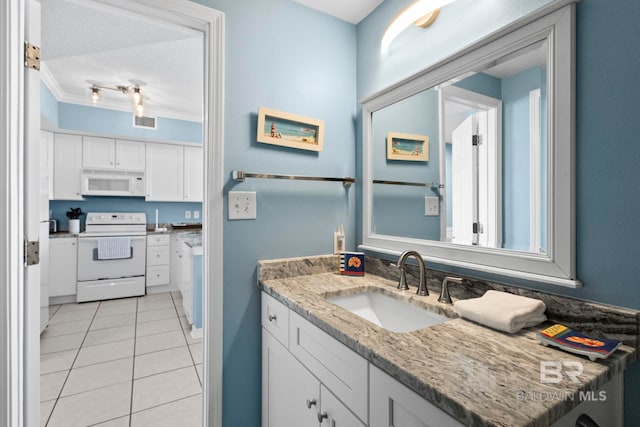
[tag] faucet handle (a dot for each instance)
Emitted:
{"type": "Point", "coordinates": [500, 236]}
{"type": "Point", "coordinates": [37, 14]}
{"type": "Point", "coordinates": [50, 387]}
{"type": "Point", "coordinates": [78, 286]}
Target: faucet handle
{"type": "Point", "coordinates": [444, 292]}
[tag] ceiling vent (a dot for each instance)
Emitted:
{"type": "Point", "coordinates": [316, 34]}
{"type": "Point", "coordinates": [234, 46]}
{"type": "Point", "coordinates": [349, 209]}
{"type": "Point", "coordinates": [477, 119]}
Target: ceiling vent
{"type": "Point", "coordinates": [144, 122]}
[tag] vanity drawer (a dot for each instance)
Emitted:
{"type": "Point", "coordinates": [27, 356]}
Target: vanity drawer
{"type": "Point", "coordinates": [275, 319]}
{"type": "Point", "coordinates": [158, 275]}
{"type": "Point", "coordinates": [158, 255]}
{"type": "Point", "coordinates": [157, 239]}
{"type": "Point", "coordinates": [343, 371]}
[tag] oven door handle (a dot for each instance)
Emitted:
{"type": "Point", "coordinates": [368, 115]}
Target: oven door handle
{"type": "Point", "coordinates": [95, 239]}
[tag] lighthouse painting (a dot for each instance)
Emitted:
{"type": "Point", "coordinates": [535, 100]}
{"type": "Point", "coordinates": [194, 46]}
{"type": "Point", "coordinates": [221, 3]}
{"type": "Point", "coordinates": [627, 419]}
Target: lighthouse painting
{"type": "Point", "coordinates": [289, 130]}
{"type": "Point", "coordinates": [409, 147]}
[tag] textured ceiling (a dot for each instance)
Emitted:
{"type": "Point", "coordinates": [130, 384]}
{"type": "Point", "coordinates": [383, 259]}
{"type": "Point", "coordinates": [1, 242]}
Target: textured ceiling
{"type": "Point", "coordinates": [86, 42]}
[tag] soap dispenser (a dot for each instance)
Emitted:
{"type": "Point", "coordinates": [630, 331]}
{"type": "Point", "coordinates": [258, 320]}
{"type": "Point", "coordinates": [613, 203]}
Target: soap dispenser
{"type": "Point", "coordinates": [338, 240]}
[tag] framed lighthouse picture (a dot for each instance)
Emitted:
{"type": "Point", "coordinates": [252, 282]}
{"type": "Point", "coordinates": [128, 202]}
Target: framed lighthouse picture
{"type": "Point", "coordinates": [289, 130]}
{"type": "Point", "coordinates": [404, 146]}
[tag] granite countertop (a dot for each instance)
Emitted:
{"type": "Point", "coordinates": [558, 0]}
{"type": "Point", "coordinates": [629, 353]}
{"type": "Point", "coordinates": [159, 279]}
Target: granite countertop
{"type": "Point", "coordinates": [480, 376]}
{"type": "Point", "coordinates": [61, 235]}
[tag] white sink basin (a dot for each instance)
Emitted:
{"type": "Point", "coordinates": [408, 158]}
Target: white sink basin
{"type": "Point", "coordinates": [388, 312]}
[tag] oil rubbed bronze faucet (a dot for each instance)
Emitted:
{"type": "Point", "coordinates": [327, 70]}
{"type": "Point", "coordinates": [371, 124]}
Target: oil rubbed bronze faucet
{"type": "Point", "coordinates": [402, 285]}
{"type": "Point", "coordinates": [444, 292]}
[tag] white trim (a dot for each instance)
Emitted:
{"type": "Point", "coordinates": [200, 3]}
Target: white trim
{"type": "Point", "coordinates": [50, 82]}
{"type": "Point", "coordinates": [558, 265]}
{"type": "Point", "coordinates": [12, 21]}
{"type": "Point", "coordinates": [196, 333]}
{"type": "Point", "coordinates": [181, 12]}
{"type": "Point", "coordinates": [534, 171]}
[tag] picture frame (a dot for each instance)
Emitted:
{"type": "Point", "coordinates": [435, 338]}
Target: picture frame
{"type": "Point", "coordinates": [289, 130]}
{"type": "Point", "coordinates": [407, 147]}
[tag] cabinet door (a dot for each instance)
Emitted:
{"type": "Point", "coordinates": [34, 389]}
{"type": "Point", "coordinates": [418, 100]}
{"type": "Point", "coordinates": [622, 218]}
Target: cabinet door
{"type": "Point", "coordinates": [394, 405]}
{"type": "Point", "coordinates": [63, 258]}
{"type": "Point", "coordinates": [164, 172]}
{"type": "Point", "coordinates": [333, 413]}
{"type": "Point", "coordinates": [193, 174]}
{"type": "Point", "coordinates": [130, 155]}
{"type": "Point", "coordinates": [286, 388]}
{"type": "Point", "coordinates": [98, 152]}
{"type": "Point", "coordinates": [67, 167]}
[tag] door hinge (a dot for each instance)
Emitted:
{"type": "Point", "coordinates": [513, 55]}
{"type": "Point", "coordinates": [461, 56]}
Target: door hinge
{"type": "Point", "coordinates": [31, 252]}
{"type": "Point", "coordinates": [477, 228]}
{"type": "Point", "coordinates": [31, 56]}
{"type": "Point", "coordinates": [476, 140]}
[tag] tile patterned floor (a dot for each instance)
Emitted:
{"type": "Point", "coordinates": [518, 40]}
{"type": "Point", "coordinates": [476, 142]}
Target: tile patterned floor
{"type": "Point", "coordinates": [120, 363]}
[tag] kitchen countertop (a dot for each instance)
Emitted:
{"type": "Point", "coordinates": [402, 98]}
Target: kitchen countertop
{"type": "Point", "coordinates": [480, 376]}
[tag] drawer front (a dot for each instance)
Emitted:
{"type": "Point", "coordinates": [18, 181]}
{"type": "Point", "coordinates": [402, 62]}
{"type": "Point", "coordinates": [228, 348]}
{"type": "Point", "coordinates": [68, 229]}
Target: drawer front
{"type": "Point", "coordinates": [158, 255]}
{"type": "Point", "coordinates": [157, 239]}
{"type": "Point", "coordinates": [158, 275]}
{"type": "Point", "coordinates": [337, 414]}
{"type": "Point", "coordinates": [275, 319]}
{"type": "Point", "coordinates": [343, 371]}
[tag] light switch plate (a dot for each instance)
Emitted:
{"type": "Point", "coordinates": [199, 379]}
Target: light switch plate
{"type": "Point", "coordinates": [242, 205]}
{"type": "Point", "coordinates": [431, 206]}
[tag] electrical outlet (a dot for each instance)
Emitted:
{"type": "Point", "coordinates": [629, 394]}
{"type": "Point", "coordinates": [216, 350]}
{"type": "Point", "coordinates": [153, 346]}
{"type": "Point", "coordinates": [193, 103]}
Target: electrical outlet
{"type": "Point", "coordinates": [187, 214]}
{"type": "Point", "coordinates": [431, 206]}
{"type": "Point", "coordinates": [196, 214]}
{"type": "Point", "coordinates": [242, 205]}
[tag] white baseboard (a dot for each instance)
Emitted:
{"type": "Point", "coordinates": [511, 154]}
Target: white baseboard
{"type": "Point", "coordinates": [196, 333]}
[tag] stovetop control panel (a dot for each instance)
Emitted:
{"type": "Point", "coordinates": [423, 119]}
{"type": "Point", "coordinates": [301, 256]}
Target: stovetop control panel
{"type": "Point", "coordinates": [116, 218]}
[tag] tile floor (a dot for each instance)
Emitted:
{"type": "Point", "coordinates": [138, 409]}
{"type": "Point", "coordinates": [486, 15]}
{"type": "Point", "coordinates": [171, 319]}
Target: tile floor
{"type": "Point", "coordinates": [129, 362]}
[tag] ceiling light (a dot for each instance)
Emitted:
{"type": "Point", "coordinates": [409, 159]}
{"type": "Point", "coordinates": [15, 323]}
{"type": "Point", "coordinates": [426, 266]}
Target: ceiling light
{"type": "Point", "coordinates": [421, 13]}
{"type": "Point", "coordinates": [95, 94]}
{"type": "Point", "coordinates": [139, 109]}
{"type": "Point", "coordinates": [136, 95]}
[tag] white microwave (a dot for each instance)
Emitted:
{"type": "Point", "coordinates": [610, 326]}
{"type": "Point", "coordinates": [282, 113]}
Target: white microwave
{"type": "Point", "coordinates": [97, 182]}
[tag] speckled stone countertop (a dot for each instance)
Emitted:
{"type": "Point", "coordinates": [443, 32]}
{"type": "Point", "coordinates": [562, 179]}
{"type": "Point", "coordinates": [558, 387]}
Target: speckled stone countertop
{"type": "Point", "coordinates": [480, 376]}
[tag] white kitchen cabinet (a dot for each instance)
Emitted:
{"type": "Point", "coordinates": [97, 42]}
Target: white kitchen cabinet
{"type": "Point", "coordinates": [46, 160]}
{"type": "Point", "coordinates": [108, 153]}
{"type": "Point", "coordinates": [186, 281]}
{"type": "Point", "coordinates": [158, 260]}
{"type": "Point", "coordinates": [164, 172]}
{"type": "Point", "coordinates": [174, 173]}
{"type": "Point", "coordinates": [193, 174]}
{"type": "Point", "coordinates": [63, 259]}
{"type": "Point", "coordinates": [67, 167]}
{"type": "Point", "coordinates": [392, 404]}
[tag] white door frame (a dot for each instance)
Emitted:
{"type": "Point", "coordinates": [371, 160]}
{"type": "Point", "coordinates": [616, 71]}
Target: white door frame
{"type": "Point", "coordinates": [12, 304]}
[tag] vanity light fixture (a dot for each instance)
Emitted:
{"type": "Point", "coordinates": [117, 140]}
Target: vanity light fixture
{"type": "Point", "coordinates": [421, 13]}
{"type": "Point", "coordinates": [133, 91]}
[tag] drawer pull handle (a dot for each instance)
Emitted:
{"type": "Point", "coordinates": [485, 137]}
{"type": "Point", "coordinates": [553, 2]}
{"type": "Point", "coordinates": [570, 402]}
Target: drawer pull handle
{"type": "Point", "coordinates": [322, 416]}
{"type": "Point", "coordinates": [311, 402]}
{"type": "Point", "coordinates": [272, 317]}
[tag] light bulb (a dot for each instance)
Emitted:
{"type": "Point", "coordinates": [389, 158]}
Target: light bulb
{"type": "Point", "coordinates": [139, 110]}
{"type": "Point", "coordinates": [136, 96]}
{"type": "Point", "coordinates": [95, 95]}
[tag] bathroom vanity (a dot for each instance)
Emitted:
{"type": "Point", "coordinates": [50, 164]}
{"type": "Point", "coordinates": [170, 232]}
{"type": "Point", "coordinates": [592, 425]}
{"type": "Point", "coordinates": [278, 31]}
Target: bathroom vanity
{"type": "Point", "coordinates": [323, 362]}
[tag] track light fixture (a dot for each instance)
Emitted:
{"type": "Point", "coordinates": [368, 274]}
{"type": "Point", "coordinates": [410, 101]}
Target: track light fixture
{"type": "Point", "coordinates": [133, 91]}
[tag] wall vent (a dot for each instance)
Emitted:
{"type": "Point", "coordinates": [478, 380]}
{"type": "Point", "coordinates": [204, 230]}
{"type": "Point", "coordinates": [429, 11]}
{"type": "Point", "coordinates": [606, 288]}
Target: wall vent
{"type": "Point", "coordinates": [144, 122]}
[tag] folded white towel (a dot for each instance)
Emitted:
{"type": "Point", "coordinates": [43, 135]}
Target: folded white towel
{"type": "Point", "coordinates": [502, 311]}
{"type": "Point", "coordinates": [114, 247]}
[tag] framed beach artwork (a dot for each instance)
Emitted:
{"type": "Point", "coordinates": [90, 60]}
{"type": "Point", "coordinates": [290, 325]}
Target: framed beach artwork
{"type": "Point", "coordinates": [404, 146]}
{"type": "Point", "coordinates": [289, 130]}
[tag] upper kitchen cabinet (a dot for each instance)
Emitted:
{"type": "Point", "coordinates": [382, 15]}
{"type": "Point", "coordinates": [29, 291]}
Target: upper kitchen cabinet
{"type": "Point", "coordinates": [107, 153]}
{"type": "Point", "coordinates": [193, 174]}
{"type": "Point", "coordinates": [67, 167]}
{"type": "Point", "coordinates": [174, 173]}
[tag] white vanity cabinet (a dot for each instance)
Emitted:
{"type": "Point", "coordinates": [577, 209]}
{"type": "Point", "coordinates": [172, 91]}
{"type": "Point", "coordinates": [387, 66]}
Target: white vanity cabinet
{"type": "Point", "coordinates": [63, 259]}
{"type": "Point", "coordinates": [67, 167]}
{"type": "Point", "coordinates": [108, 153]}
{"type": "Point", "coordinates": [308, 378]}
{"type": "Point", "coordinates": [393, 404]}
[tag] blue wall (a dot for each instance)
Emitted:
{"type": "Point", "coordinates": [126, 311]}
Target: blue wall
{"type": "Point", "coordinates": [48, 106]}
{"type": "Point", "coordinates": [285, 56]}
{"type": "Point", "coordinates": [416, 115]}
{"type": "Point", "coordinates": [607, 154]}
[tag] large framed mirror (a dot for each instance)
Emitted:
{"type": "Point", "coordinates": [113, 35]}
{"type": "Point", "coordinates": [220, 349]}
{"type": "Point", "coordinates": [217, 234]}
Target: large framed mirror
{"type": "Point", "coordinates": [471, 161]}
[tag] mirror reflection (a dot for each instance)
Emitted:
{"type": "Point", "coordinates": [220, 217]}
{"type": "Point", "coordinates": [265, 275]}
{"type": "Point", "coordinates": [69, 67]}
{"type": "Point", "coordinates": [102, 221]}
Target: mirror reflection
{"type": "Point", "coordinates": [483, 180]}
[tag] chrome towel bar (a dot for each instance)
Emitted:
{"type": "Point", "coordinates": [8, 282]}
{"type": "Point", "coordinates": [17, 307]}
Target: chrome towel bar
{"type": "Point", "coordinates": [240, 176]}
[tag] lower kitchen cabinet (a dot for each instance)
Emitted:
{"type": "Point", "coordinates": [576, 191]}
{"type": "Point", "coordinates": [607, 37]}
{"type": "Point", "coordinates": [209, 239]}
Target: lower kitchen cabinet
{"type": "Point", "coordinates": [63, 259]}
{"type": "Point", "coordinates": [158, 260]}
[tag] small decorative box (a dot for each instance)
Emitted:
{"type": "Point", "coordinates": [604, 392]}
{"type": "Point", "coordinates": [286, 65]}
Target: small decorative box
{"type": "Point", "coordinates": [352, 263]}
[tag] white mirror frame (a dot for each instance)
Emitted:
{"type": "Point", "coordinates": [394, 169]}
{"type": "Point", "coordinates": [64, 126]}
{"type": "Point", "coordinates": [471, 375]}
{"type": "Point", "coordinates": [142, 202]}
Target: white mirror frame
{"type": "Point", "coordinates": [556, 23]}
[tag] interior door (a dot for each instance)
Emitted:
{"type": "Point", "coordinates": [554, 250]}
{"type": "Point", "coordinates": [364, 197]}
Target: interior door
{"type": "Point", "coordinates": [31, 216]}
{"type": "Point", "coordinates": [464, 183]}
